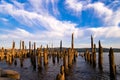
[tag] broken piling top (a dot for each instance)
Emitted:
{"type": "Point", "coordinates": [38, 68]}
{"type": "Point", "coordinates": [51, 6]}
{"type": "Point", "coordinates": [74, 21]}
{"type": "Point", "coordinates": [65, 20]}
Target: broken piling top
{"type": "Point", "coordinates": [13, 45]}
{"type": "Point", "coordinates": [100, 44]}
{"type": "Point", "coordinates": [61, 46]}
{"type": "Point", "coordinates": [92, 42]}
{"type": "Point", "coordinates": [20, 44]}
{"type": "Point", "coordinates": [2, 48]}
{"type": "Point", "coordinates": [34, 46]}
{"type": "Point", "coordinates": [29, 45]}
{"type": "Point", "coordinates": [23, 45]}
{"type": "Point", "coordinates": [94, 47]}
{"type": "Point", "coordinates": [72, 41]}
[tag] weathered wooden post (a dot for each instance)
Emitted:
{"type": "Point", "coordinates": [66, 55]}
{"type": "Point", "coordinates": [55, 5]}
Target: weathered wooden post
{"type": "Point", "coordinates": [45, 55]}
{"type": "Point", "coordinates": [88, 56]}
{"type": "Point", "coordinates": [22, 48]}
{"type": "Point", "coordinates": [91, 58]}
{"type": "Point", "coordinates": [60, 46]}
{"type": "Point", "coordinates": [29, 47]}
{"type": "Point", "coordinates": [94, 56]}
{"type": "Point", "coordinates": [70, 58]}
{"type": "Point", "coordinates": [65, 61]}
{"type": "Point", "coordinates": [100, 56]}
{"type": "Point", "coordinates": [2, 53]}
{"type": "Point", "coordinates": [13, 49]}
{"type": "Point", "coordinates": [92, 46]}
{"type": "Point", "coordinates": [60, 49]}
{"type": "Point", "coordinates": [72, 41]}
{"type": "Point", "coordinates": [39, 59]}
{"type": "Point", "coordinates": [34, 57]}
{"type": "Point", "coordinates": [85, 54]}
{"type": "Point", "coordinates": [112, 64]}
{"type": "Point", "coordinates": [61, 75]}
{"type": "Point", "coordinates": [58, 56]}
{"type": "Point", "coordinates": [20, 44]}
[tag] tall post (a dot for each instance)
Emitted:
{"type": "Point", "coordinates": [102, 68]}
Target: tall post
{"type": "Point", "coordinates": [60, 46]}
{"type": "Point", "coordinates": [20, 44]}
{"type": "Point", "coordinates": [23, 47]}
{"type": "Point", "coordinates": [112, 64]}
{"type": "Point", "coordinates": [94, 56]}
{"type": "Point", "coordinates": [72, 42]}
{"type": "Point", "coordinates": [92, 44]}
{"type": "Point", "coordinates": [100, 57]}
{"type": "Point", "coordinates": [30, 47]}
{"type": "Point", "coordinates": [34, 48]}
{"type": "Point", "coordinates": [13, 49]}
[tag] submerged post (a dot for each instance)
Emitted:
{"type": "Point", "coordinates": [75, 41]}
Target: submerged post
{"type": "Point", "coordinates": [112, 64]}
{"type": "Point", "coordinates": [61, 75]}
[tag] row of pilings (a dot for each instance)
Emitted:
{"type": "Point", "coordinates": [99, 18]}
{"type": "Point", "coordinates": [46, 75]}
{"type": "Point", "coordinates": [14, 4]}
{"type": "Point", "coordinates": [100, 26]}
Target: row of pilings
{"type": "Point", "coordinates": [39, 57]}
{"type": "Point", "coordinates": [69, 58]}
{"type": "Point", "coordinates": [90, 57]}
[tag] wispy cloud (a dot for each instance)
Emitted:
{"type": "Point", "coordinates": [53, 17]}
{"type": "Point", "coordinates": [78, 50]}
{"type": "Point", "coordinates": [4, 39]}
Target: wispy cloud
{"type": "Point", "coordinates": [4, 19]}
{"type": "Point", "coordinates": [42, 14]}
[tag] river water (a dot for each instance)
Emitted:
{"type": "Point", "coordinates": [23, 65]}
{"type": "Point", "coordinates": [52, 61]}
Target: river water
{"type": "Point", "coordinates": [81, 70]}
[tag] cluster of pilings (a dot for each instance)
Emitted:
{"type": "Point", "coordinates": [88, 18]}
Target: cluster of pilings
{"type": "Point", "coordinates": [39, 56]}
{"type": "Point", "coordinates": [69, 58]}
{"type": "Point", "coordinates": [90, 57]}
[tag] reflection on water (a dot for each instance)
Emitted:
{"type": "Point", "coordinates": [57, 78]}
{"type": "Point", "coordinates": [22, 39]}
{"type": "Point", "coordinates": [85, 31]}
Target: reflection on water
{"type": "Point", "coordinates": [81, 70]}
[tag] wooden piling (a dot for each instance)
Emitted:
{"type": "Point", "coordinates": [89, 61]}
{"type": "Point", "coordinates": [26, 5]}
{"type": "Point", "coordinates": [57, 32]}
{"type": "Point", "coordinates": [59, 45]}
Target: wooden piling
{"type": "Point", "coordinates": [60, 46]}
{"type": "Point", "coordinates": [72, 41]}
{"type": "Point", "coordinates": [94, 56]}
{"type": "Point", "coordinates": [65, 61]}
{"type": "Point", "coordinates": [45, 55]}
{"type": "Point", "coordinates": [61, 75]}
{"type": "Point", "coordinates": [88, 56]}
{"type": "Point", "coordinates": [39, 59]}
{"type": "Point", "coordinates": [70, 59]}
{"type": "Point", "coordinates": [100, 56]}
{"type": "Point", "coordinates": [112, 64]}
{"type": "Point", "coordinates": [2, 53]}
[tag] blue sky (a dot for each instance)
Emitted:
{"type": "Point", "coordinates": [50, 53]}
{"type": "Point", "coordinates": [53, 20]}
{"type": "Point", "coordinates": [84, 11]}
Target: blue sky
{"type": "Point", "coordinates": [49, 21]}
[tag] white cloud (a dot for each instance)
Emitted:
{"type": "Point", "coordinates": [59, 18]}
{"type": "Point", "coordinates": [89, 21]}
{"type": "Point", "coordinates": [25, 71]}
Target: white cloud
{"type": "Point", "coordinates": [107, 32]}
{"type": "Point", "coordinates": [16, 34]}
{"type": "Point", "coordinates": [101, 9]}
{"type": "Point", "coordinates": [74, 5]}
{"type": "Point", "coordinates": [4, 19]}
{"type": "Point", "coordinates": [54, 29]}
{"type": "Point", "coordinates": [114, 18]}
